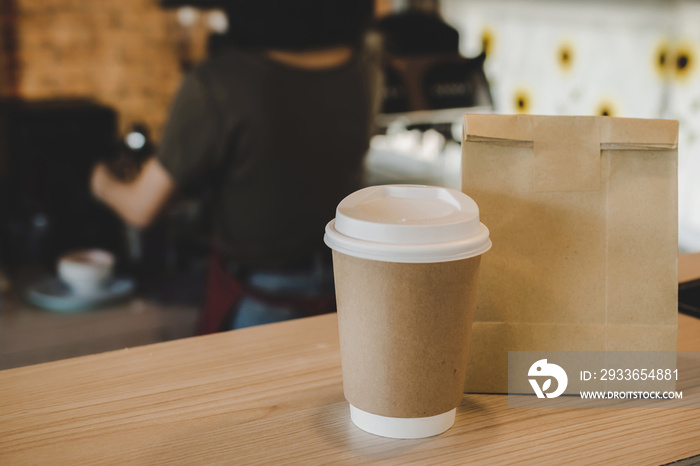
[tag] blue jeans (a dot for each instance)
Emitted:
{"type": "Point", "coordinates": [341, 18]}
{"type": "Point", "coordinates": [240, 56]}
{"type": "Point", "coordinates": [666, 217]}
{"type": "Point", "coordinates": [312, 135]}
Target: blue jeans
{"type": "Point", "coordinates": [317, 281]}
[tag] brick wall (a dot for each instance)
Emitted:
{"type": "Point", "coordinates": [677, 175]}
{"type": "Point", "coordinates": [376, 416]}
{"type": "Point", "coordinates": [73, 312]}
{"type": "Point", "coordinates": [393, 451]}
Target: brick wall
{"type": "Point", "coordinates": [127, 54]}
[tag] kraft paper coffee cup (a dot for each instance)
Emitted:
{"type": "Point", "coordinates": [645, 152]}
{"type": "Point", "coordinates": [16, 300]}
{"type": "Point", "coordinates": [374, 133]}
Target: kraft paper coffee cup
{"type": "Point", "coordinates": [406, 261]}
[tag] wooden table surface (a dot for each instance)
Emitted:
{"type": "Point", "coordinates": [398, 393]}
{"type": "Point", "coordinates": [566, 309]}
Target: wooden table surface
{"type": "Point", "coordinates": [273, 395]}
{"type": "Point", "coordinates": [688, 267]}
{"type": "Point", "coordinates": [29, 335]}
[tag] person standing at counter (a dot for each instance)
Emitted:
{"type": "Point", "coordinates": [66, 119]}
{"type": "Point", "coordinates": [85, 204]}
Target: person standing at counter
{"type": "Point", "coordinates": [278, 123]}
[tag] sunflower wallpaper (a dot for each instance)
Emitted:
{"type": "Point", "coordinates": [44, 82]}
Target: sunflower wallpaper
{"type": "Point", "coordinates": [617, 58]}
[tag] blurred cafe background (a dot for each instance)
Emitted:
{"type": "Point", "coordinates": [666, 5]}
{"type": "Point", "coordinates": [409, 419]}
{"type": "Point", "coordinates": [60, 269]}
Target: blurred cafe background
{"type": "Point", "coordinates": [84, 81]}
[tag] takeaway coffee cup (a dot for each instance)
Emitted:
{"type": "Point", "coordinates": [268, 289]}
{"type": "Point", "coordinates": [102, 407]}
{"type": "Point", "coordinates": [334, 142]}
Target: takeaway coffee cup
{"type": "Point", "coordinates": [406, 260]}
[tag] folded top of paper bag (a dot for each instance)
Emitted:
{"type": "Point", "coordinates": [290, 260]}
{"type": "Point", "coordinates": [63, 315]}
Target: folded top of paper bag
{"type": "Point", "coordinates": [659, 134]}
{"type": "Point", "coordinates": [567, 148]}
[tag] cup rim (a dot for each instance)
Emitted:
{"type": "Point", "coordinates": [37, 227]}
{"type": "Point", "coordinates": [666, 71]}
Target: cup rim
{"type": "Point", "coordinates": [407, 253]}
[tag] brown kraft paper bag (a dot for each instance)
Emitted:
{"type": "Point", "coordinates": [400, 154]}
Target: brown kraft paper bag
{"type": "Point", "coordinates": [583, 217]}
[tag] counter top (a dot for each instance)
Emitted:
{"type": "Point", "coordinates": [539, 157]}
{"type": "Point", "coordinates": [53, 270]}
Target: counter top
{"type": "Point", "coordinates": [29, 335]}
{"type": "Point", "coordinates": [273, 394]}
{"type": "Point", "coordinates": [688, 267]}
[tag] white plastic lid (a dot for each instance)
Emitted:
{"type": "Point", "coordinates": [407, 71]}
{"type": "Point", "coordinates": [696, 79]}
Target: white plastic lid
{"type": "Point", "coordinates": [404, 428]}
{"type": "Point", "coordinates": [408, 223]}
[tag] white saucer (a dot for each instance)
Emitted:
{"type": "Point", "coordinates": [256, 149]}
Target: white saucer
{"type": "Point", "coordinates": [54, 295]}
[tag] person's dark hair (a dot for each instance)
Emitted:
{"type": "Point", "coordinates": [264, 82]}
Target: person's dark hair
{"type": "Point", "coordinates": [297, 24]}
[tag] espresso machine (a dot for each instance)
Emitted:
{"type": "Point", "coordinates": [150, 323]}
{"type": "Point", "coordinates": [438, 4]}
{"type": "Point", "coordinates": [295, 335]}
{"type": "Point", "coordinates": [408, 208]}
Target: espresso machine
{"type": "Point", "coordinates": [428, 86]}
{"type": "Point", "coordinates": [47, 151]}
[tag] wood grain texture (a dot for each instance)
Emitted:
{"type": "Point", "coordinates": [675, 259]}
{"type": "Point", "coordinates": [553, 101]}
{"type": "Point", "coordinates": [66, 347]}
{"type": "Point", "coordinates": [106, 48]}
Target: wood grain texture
{"type": "Point", "coordinates": [273, 394]}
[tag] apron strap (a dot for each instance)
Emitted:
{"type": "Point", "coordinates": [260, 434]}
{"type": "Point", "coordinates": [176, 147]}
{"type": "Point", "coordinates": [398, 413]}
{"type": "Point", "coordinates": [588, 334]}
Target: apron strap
{"type": "Point", "coordinates": [223, 293]}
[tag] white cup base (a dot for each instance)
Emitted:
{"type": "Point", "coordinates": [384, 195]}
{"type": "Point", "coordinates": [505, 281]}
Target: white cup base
{"type": "Point", "coordinates": [404, 428]}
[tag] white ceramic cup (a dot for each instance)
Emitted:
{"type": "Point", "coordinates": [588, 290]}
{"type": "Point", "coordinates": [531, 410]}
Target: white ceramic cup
{"type": "Point", "coordinates": [406, 261]}
{"type": "Point", "coordinates": [86, 271]}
